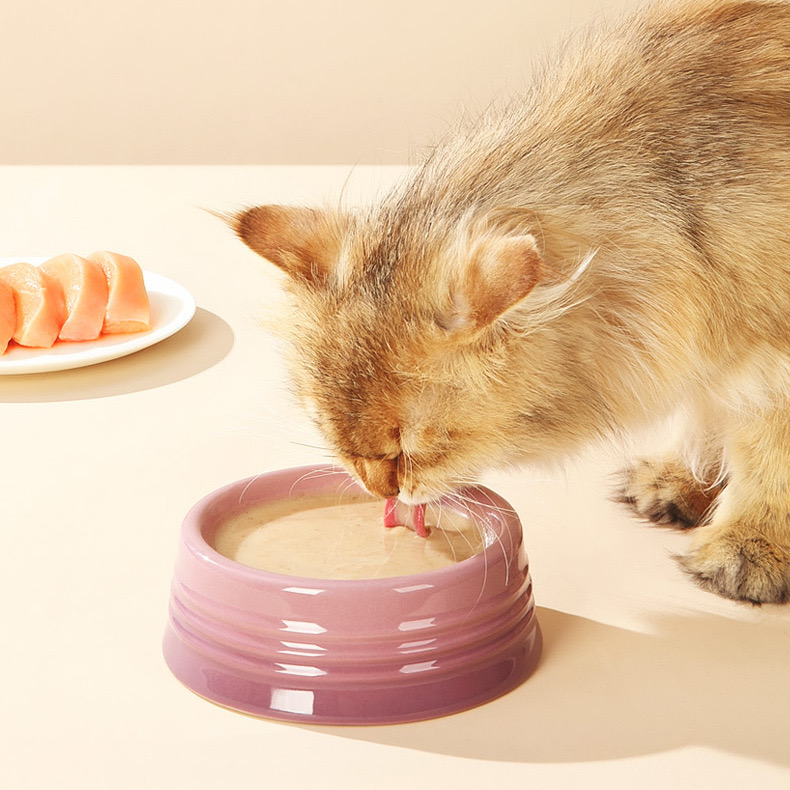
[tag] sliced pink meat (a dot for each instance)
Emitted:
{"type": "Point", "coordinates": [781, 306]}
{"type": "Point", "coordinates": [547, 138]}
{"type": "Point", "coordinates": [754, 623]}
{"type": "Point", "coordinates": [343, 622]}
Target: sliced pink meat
{"type": "Point", "coordinates": [128, 306]}
{"type": "Point", "coordinates": [7, 315]}
{"type": "Point", "coordinates": [86, 293]}
{"type": "Point", "coordinates": [40, 304]}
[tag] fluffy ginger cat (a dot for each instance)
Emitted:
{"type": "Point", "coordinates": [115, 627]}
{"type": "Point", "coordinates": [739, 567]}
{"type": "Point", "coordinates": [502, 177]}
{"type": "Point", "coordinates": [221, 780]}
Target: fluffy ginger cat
{"type": "Point", "coordinates": [612, 247]}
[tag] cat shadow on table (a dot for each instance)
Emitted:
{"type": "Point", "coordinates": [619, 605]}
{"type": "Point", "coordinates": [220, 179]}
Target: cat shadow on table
{"type": "Point", "coordinates": [202, 343]}
{"type": "Point", "coordinates": [603, 693]}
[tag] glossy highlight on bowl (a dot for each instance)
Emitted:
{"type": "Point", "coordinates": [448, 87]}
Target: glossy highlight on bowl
{"type": "Point", "coordinates": [373, 651]}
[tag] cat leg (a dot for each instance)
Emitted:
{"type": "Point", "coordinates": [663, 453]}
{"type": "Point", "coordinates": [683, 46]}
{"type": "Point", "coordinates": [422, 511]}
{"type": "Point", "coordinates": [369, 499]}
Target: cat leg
{"type": "Point", "coordinates": [679, 489]}
{"type": "Point", "coordinates": [666, 491]}
{"type": "Point", "coordinates": [744, 553]}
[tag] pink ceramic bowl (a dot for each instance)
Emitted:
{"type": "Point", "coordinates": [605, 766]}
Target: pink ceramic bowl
{"type": "Point", "coordinates": [375, 651]}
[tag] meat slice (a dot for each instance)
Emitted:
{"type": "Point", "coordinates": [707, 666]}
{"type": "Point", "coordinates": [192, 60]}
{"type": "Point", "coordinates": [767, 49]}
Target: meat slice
{"type": "Point", "coordinates": [128, 307]}
{"type": "Point", "coordinates": [86, 293]}
{"type": "Point", "coordinates": [7, 315]}
{"type": "Point", "coordinates": [40, 304]}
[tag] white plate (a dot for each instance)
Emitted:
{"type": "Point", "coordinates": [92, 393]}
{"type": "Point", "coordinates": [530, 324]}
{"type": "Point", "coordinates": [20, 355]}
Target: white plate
{"type": "Point", "coordinates": [172, 306]}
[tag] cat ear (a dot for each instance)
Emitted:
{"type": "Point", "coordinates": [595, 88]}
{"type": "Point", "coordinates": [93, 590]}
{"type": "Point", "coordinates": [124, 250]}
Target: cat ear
{"type": "Point", "coordinates": [501, 272]}
{"type": "Point", "coordinates": [304, 242]}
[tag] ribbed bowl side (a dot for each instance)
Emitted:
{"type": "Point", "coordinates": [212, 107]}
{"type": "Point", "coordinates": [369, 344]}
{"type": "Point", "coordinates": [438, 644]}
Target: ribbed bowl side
{"type": "Point", "coordinates": [369, 651]}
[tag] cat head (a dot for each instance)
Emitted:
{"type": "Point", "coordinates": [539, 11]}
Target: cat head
{"type": "Point", "coordinates": [407, 348]}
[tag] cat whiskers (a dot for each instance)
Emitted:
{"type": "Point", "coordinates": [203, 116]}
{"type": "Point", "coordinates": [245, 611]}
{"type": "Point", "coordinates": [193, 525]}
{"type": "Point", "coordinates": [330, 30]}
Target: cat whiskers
{"type": "Point", "coordinates": [312, 474]}
{"type": "Point", "coordinates": [489, 531]}
{"type": "Point", "coordinates": [446, 533]}
{"type": "Point", "coordinates": [285, 431]}
{"type": "Point", "coordinates": [244, 490]}
{"type": "Point", "coordinates": [409, 465]}
{"type": "Point", "coordinates": [464, 503]}
{"type": "Point", "coordinates": [348, 486]}
{"type": "Point", "coordinates": [325, 451]}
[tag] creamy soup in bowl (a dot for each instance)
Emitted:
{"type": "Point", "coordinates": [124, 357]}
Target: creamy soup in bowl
{"type": "Point", "coordinates": [343, 537]}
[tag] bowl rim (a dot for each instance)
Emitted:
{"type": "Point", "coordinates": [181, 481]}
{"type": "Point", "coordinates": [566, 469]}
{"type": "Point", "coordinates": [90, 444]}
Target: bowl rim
{"type": "Point", "coordinates": [495, 553]}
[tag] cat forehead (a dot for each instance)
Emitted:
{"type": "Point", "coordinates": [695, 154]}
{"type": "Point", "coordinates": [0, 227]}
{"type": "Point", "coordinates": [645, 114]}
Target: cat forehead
{"type": "Point", "coordinates": [385, 245]}
{"type": "Point", "coordinates": [355, 360]}
{"type": "Point", "coordinates": [365, 349]}
{"type": "Point", "coordinates": [370, 417]}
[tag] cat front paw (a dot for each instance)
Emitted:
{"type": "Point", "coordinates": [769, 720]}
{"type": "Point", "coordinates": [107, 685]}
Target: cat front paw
{"type": "Point", "coordinates": [740, 563]}
{"type": "Point", "coordinates": [665, 492]}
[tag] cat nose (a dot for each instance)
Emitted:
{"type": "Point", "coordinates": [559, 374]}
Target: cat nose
{"type": "Point", "coordinates": [380, 476]}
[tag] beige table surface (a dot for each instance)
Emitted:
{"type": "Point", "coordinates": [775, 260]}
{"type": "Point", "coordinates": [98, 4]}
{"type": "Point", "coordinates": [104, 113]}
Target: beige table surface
{"type": "Point", "coordinates": [645, 682]}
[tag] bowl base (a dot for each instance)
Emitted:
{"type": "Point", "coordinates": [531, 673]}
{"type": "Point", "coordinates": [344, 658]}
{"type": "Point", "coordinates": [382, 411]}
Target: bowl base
{"type": "Point", "coordinates": [358, 705]}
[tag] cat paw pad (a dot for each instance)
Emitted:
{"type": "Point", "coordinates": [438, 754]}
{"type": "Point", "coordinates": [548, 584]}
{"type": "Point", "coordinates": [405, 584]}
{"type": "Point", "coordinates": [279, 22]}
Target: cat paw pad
{"type": "Point", "coordinates": [665, 493]}
{"type": "Point", "coordinates": [741, 565]}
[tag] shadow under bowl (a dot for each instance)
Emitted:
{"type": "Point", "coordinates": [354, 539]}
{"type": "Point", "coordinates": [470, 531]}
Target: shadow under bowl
{"type": "Point", "coordinates": [371, 651]}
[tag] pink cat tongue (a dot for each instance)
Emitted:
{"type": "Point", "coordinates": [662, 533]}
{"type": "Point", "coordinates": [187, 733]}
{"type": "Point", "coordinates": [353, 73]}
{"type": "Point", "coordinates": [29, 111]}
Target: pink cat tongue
{"type": "Point", "coordinates": [414, 518]}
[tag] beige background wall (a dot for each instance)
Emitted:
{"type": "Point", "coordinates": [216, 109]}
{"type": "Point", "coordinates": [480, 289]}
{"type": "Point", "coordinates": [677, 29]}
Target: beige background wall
{"type": "Point", "coordinates": [259, 81]}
